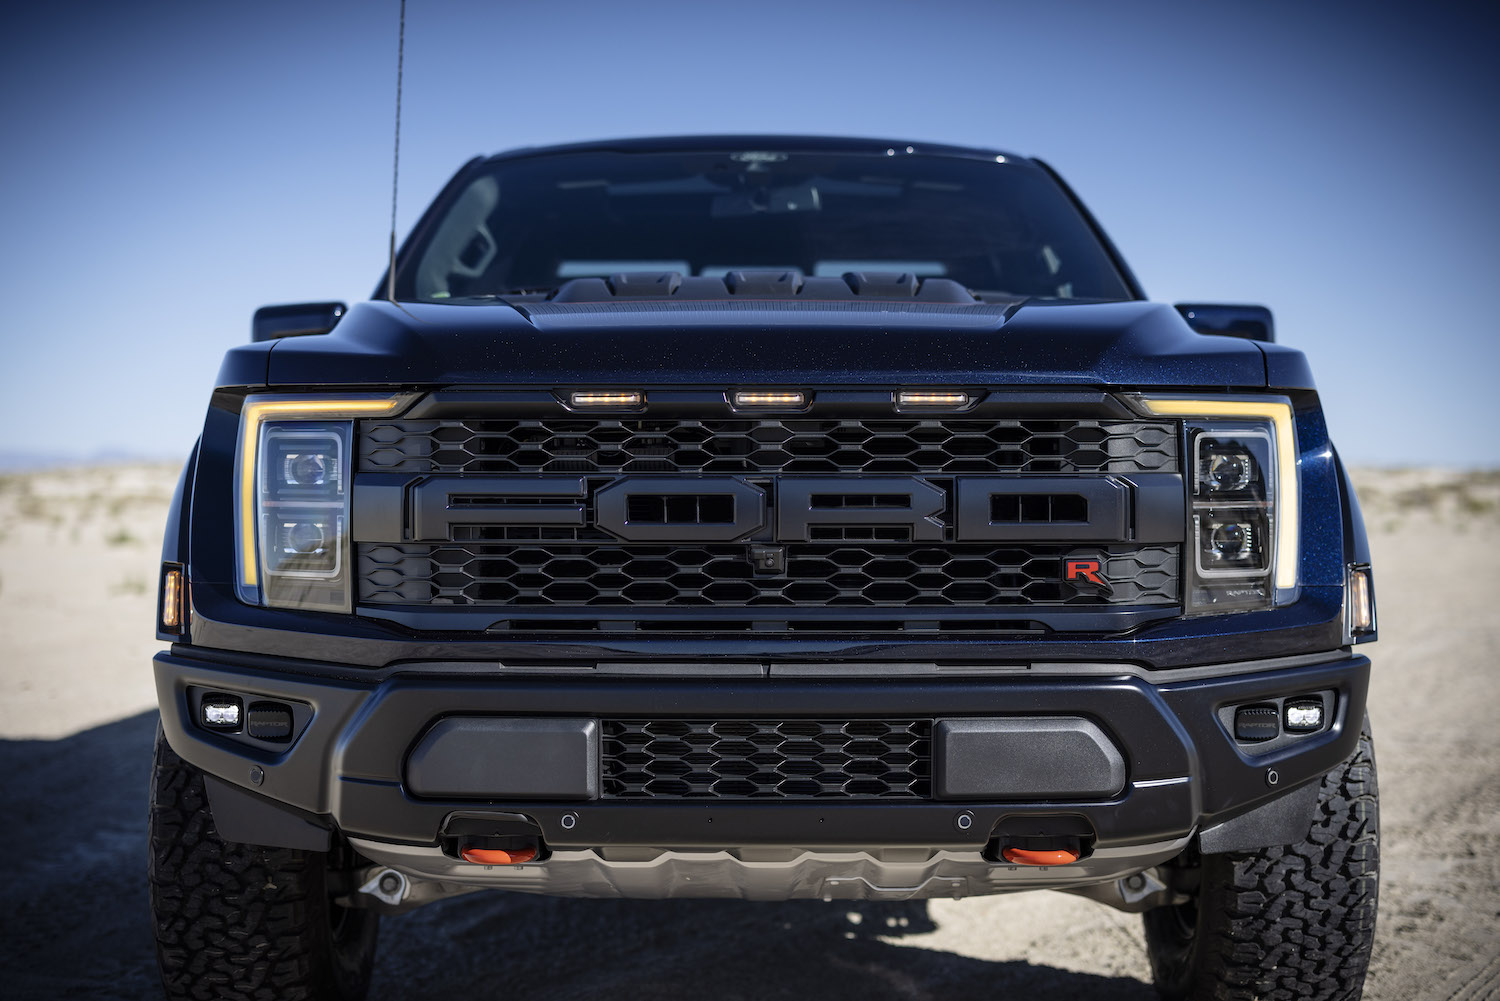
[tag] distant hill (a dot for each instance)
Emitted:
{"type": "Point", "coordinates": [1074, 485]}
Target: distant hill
{"type": "Point", "coordinates": [15, 460]}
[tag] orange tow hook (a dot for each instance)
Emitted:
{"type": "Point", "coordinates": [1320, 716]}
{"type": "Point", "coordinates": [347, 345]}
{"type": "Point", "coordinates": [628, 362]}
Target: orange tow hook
{"type": "Point", "coordinates": [499, 856]}
{"type": "Point", "coordinates": [1030, 856]}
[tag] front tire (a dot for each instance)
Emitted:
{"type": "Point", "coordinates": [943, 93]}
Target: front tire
{"type": "Point", "coordinates": [245, 922]}
{"type": "Point", "coordinates": [1287, 922]}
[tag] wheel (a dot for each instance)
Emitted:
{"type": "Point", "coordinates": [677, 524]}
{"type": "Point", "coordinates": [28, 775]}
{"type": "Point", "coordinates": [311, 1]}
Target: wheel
{"type": "Point", "coordinates": [1281, 923]}
{"type": "Point", "coordinates": [242, 921]}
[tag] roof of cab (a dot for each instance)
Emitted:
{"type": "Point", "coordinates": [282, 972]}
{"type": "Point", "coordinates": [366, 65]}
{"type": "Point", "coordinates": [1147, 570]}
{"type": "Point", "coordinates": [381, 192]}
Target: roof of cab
{"type": "Point", "coordinates": [789, 143]}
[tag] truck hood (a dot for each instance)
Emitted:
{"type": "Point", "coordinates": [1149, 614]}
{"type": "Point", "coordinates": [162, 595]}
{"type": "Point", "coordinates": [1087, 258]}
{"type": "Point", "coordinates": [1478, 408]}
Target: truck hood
{"type": "Point", "coordinates": [1138, 344]}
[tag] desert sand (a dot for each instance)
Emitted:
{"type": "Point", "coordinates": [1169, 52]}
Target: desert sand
{"type": "Point", "coordinates": [78, 561]}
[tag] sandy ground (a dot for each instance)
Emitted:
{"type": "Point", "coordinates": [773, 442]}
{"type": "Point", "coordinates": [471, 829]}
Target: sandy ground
{"type": "Point", "coordinates": [78, 554]}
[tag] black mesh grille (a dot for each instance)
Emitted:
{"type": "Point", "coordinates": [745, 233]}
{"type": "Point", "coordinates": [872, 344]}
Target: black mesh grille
{"type": "Point", "coordinates": [767, 759]}
{"type": "Point", "coordinates": [788, 445]}
{"type": "Point", "coordinates": [723, 575]}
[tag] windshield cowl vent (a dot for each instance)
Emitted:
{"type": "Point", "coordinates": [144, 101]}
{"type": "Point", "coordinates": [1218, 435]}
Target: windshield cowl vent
{"type": "Point", "coordinates": [896, 286]}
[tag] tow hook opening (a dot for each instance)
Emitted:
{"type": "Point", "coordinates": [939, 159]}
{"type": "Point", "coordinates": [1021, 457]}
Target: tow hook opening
{"type": "Point", "coordinates": [1041, 841]}
{"type": "Point", "coordinates": [493, 839]}
{"type": "Point", "coordinates": [513, 851]}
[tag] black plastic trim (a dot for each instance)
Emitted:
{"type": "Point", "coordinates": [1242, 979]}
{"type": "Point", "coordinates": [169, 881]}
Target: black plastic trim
{"type": "Point", "coordinates": [1034, 757]}
{"type": "Point", "coordinates": [1282, 821]}
{"type": "Point", "coordinates": [249, 819]}
{"type": "Point", "coordinates": [1157, 639]}
{"type": "Point", "coordinates": [1052, 403]}
{"type": "Point", "coordinates": [1183, 768]}
{"type": "Point", "coordinates": [490, 757]}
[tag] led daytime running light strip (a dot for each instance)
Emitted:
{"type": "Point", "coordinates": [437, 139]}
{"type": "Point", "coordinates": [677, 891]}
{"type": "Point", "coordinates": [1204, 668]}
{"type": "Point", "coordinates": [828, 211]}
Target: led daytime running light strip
{"type": "Point", "coordinates": [256, 413]}
{"type": "Point", "coordinates": [1280, 415]}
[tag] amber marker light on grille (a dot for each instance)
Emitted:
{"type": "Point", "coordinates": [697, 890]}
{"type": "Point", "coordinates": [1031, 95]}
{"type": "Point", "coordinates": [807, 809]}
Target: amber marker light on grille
{"type": "Point", "coordinates": [1279, 413]}
{"type": "Point", "coordinates": [757, 399]}
{"type": "Point", "coordinates": [259, 410]}
{"type": "Point", "coordinates": [621, 399]}
{"type": "Point", "coordinates": [911, 398]}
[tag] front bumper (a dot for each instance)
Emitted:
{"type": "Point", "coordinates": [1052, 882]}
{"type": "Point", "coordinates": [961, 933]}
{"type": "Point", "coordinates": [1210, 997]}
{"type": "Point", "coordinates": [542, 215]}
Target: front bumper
{"type": "Point", "coordinates": [1184, 771]}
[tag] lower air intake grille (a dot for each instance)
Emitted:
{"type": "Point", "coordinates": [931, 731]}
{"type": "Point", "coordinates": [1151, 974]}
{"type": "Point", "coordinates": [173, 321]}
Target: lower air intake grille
{"type": "Point", "coordinates": [767, 759]}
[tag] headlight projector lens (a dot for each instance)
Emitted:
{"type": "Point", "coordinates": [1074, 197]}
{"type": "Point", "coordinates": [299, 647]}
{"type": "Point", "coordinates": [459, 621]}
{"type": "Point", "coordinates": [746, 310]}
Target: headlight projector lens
{"type": "Point", "coordinates": [1232, 541]}
{"type": "Point", "coordinates": [305, 537]}
{"type": "Point", "coordinates": [306, 469]}
{"type": "Point", "coordinates": [1229, 471]}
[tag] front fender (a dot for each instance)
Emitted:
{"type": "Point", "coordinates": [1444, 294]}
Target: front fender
{"type": "Point", "coordinates": [1356, 541]}
{"type": "Point", "coordinates": [174, 538]}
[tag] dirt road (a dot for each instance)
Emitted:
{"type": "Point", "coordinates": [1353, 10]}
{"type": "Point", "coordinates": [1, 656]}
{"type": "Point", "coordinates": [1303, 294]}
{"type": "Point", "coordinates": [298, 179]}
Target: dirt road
{"type": "Point", "coordinates": [75, 712]}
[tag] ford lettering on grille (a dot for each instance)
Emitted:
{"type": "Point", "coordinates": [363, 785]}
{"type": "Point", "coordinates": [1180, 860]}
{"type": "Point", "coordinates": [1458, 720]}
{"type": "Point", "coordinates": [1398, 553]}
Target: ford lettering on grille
{"type": "Point", "coordinates": [789, 508]}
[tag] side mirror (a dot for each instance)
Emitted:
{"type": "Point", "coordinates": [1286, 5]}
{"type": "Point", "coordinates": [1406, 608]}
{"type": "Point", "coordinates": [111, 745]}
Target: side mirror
{"type": "Point", "coordinates": [296, 320]}
{"type": "Point", "coordinates": [1253, 323]}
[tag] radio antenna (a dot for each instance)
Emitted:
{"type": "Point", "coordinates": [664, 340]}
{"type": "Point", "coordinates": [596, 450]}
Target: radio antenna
{"type": "Point", "coordinates": [390, 284]}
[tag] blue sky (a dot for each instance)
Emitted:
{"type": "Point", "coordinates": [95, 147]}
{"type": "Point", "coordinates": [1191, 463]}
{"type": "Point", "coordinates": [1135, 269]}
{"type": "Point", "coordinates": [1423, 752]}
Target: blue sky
{"type": "Point", "coordinates": [171, 166]}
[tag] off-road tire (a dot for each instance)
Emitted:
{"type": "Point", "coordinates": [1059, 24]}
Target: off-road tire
{"type": "Point", "coordinates": [1282, 923]}
{"type": "Point", "coordinates": [244, 922]}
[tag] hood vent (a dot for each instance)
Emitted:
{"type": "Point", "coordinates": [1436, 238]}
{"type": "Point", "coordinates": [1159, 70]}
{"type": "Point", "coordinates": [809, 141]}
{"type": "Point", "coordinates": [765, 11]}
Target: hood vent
{"type": "Point", "coordinates": [853, 286]}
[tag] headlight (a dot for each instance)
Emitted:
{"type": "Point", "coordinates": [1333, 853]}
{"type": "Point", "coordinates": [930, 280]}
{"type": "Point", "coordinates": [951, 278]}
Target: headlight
{"type": "Point", "coordinates": [292, 498]}
{"type": "Point", "coordinates": [1242, 492]}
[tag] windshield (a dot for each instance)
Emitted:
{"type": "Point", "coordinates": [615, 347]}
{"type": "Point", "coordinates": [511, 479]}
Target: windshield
{"type": "Point", "coordinates": [531, 223]}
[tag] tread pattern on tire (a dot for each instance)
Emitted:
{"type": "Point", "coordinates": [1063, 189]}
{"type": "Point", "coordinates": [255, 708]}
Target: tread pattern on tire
{"type": "Point", "coordinates": [234, 921]}
{"type": "Point", "coordinates": [1293, 922]}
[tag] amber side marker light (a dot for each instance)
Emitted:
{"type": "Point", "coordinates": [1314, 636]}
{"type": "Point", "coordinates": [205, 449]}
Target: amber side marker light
{"type": "Point", "coordinates": [173, 599]}
{"type": "Point", "coordinates": [759, 399]}
{"type": "Point", "coordinates": [1361, 602]}
{"type": "Point", "coordinates": [631, 399]}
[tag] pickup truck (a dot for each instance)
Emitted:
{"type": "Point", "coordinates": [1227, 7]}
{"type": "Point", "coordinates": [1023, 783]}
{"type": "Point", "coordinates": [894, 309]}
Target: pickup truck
{"type": "Point", "coordinates": [763, 517]}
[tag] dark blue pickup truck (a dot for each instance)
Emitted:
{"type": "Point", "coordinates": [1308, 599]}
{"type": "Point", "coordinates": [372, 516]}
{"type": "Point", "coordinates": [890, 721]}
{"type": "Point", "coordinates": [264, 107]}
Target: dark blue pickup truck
{"type": "Point", "coordinates": [763, 517]}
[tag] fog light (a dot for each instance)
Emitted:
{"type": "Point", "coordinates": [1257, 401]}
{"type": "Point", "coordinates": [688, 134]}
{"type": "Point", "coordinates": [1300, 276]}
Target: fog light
{"type": "Point", "coordinates": [220, 712]}
{"type": "Point", "coordinates": [1304, 716]}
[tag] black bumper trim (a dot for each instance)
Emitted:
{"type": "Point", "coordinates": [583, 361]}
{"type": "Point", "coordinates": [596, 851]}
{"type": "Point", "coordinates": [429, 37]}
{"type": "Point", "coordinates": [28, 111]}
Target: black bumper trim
{"type": "Point", "coordinates": [347, 764]}
{"type": "Point", "coordinates": [358, 644]}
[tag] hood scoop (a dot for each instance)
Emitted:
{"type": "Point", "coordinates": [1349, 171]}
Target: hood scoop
{"type": "Point", "coordinates": [852, 286]}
